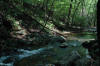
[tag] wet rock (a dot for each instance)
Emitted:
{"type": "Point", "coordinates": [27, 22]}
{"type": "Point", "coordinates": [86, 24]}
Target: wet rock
{"type": "Point", "coordinates": [93, 48]}
{"type": "Point", "coordinates": [85, 44]}
{"type": "Point", "coordinates": [90, 44]}
{"type": "Point", "coordinates": [63, 46]}
{"type": "Point", "coordinates": [58, 64]}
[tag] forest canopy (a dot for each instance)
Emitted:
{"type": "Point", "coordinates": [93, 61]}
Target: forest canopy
{"type": "Point", "coordinates": [50, 13]}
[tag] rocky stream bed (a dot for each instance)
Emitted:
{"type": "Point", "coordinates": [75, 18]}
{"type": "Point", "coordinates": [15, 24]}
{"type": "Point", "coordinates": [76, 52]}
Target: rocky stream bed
{"type": "Point", "coordinates": [67, 53]}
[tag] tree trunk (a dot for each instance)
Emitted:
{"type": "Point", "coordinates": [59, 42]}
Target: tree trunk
{"type": "Point", "coordinates": [70, 9]}
{"type": "Point", "coordinates": [98, 21]}
{"type": "Point", "coordinates": [69, 15]}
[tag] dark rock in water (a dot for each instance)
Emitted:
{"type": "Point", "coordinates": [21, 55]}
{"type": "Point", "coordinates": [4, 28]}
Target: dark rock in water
{"type": "Point", "coordinates": [85, 44]}
{"type": "Point", "coordinates": [93, 48]}
{"type": "Point", "coordinates": [57, 64]}
{"type": "Point", "coordinates": [63, 46]}
{"type": "Point", "coordinates": [89, 45]}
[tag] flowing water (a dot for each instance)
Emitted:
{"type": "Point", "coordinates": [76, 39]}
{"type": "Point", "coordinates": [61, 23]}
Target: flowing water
{"type": "Point", "coordinates": [74, 40]}
{"type": "Point", "coordinates": [24, 53]}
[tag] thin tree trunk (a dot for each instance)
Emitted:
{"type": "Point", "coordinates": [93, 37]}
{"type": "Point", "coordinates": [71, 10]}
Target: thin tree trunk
{"type": "Point", "coordinates": [70, 9]}
{"type": "Point", "coordinates": [75, 12]}
{"type": "Point", "coordinates": [67, 20]}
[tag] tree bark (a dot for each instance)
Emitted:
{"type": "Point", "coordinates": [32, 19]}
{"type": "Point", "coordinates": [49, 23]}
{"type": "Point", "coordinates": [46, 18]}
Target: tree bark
{"type": "Point", "coordinates": [98, 21]}
{"type": "Point", "coordinates": [70, 9]}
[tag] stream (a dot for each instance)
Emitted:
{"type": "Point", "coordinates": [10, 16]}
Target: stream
{"type": "Point", "coordinates": [73, 40]}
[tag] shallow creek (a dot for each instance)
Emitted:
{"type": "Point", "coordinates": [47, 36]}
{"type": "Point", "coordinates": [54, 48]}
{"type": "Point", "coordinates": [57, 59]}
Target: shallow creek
{"type": "Point", "coordinates": [73, 40]}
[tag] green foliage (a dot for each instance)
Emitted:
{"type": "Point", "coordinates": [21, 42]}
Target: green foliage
{"type": "Point", "coordinates": [82, 12]}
